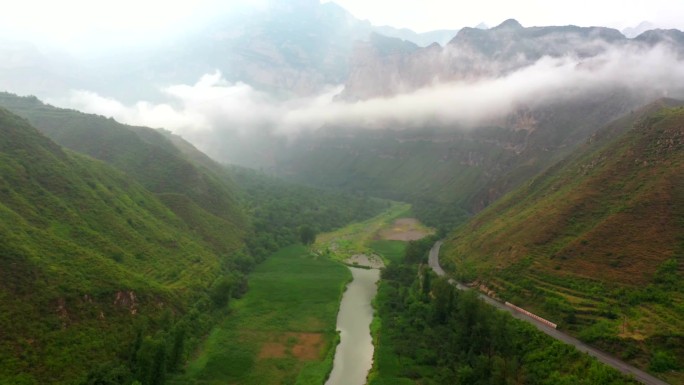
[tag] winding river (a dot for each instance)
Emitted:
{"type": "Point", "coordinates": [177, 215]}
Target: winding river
{"type": "Point", "coordinates": [354, 354]}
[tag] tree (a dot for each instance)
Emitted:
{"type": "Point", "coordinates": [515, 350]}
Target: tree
{"type": "Point", "coordinates": [176, 355]}
{"type": "Point", "coordinates": [307, 235]}
{"type": "Point", "coordinates": [108, 374]}
{"type": "Point", "coordinates": [663, 361]}
{"type": "Point", "coordinates": [151, 361]}
{"type": "Point", "coordinates": [221, 291]}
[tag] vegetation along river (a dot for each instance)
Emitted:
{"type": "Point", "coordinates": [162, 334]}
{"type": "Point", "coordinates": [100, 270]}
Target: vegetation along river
{"type": "Point", "coordinates": [354, 354]}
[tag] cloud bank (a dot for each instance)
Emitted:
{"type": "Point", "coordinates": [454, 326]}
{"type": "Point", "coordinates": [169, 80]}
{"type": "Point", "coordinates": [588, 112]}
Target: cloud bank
{"type": "Point", "coordinates": [213, 106]}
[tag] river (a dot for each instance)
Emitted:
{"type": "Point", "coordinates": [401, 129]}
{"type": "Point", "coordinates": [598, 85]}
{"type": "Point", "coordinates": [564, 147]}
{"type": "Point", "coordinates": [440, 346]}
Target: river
{"type": "Point", "coordinates": [354, 354]}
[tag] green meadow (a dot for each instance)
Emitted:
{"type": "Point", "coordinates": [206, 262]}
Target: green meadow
{"type": "Point", "coordinates": [370, 236]}
{"type": "Point", "coordinates": [282, 331]}
{"type": "Point", "coordinates": [392, 251]}
{"type": "Point", "coordinates": [356, 237]}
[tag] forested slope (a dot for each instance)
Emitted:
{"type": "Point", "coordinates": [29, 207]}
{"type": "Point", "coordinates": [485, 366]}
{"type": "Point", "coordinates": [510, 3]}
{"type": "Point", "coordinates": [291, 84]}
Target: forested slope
{"type": "Point", "coordinates": [88, 256]}
{"type": "Point", "coordinates": [193, 186]}
{"type": "Point", "coordinates": [279, 209]}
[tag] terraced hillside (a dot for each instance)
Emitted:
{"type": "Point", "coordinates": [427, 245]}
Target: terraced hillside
{"type": "Point", "coordinates": [595, 243]}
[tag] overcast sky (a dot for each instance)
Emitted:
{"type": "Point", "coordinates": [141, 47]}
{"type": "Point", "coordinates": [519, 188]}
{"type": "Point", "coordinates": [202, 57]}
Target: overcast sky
{"type": "Point", "coordinates": [428, 15]}
{"type": "Point", "coordinates": [74, 23]}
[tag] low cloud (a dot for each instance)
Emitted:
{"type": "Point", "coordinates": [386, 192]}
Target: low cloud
{"type": "Point", "coordinates": [207, 109]}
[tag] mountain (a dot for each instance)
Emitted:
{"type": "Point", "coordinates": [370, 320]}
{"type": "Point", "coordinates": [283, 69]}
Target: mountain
{"type": "Point", "coordinates": [288, 48]}
{"type": "Point", "coordinates": [424, 39]}
{"type": "Point", "coordinates": [192, 185]}
{"type": "Point", "coordinates": [376, 71]}
{"type": "Point", "coordinates": [594, 243]}
{"type": "Point", "coordinates": [293, 48]}
{"type": "Point", "coordinates": [632, 32]}
{"type": "Point", "coordinates": [372, 60]}
{"type": "Point", "coordinates": [672, 38]}
{"type": "Point", "coordinates": [88, 256]}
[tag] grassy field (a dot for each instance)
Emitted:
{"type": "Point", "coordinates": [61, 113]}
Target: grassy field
{"type": "Point", "coordinates": [370, 236]}
{"type": "Point", "coordinates": [282, 331]}
{"type": "Point", "coordinates": [355, 238]}
{"type": "Point", "coordinates": [392, 251]}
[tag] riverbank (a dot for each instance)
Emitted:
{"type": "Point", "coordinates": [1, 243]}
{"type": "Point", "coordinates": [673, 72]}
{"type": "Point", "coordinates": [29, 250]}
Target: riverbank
{"type": "Point", "coordinates": [390, 228]}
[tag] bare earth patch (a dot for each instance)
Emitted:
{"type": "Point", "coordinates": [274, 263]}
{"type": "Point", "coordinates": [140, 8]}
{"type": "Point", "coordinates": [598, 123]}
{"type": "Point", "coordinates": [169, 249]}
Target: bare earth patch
{"type": "Point", "coordinates": [272, 350]}
{"type": "Point", "coordinates": [405, 229]}
{"type": "Point", "coordinates": [373, 261]}
{"type": "Point", "coordinates": [309, 346]}
{"type": "Point", "coordinates": [304, 346]}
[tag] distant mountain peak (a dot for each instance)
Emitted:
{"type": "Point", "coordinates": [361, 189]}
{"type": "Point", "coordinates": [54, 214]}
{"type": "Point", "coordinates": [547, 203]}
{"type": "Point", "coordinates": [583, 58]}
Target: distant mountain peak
{"type": "Point", "coordinates": [632, 32]}
{"type": "Point", "coordinates": [510, 24]}
{"type": "Point", "coordinates": [483, 26]}
{"type": "Point", "coordinates": [672, 37]}
{"type": "Point", "coordinates": [391, 45]}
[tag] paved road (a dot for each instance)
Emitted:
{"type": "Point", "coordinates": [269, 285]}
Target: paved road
{"type": "Point", "coordinates": [607, 359]}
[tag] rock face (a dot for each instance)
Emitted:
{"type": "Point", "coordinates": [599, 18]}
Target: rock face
{"type": "Point", "coordinates": [379, 68]}
{"type": "Point", "coordinates": [290, 48]}
{"type": "Point", "coordinates": [287, 48]}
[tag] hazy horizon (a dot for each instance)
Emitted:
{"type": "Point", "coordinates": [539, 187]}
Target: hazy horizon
{"type": "Point", "coordinates": [81, 27]}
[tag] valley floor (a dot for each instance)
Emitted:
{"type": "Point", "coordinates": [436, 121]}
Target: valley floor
{"type": "Point", "coordinates": [282, 331]}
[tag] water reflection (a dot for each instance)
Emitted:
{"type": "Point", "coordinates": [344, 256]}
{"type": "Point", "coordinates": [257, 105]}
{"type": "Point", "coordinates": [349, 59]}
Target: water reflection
{"type": "Point", "coordinates": [354, 354]}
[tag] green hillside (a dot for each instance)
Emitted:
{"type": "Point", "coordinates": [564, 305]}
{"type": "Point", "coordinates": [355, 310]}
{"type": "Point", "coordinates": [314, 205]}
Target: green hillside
{"type": "Point", "coordinates": [88, 256]}
{"type": "Point", "coordinates": [595, 242]}
{"type": "Point", "coordinates": [155, 159]}
{"type": "Point", "coordinates": [224, 205]}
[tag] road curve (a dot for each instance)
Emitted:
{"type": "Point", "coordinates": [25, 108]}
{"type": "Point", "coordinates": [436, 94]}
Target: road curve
{"type": "Point", "coordinates": [607, 359]}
